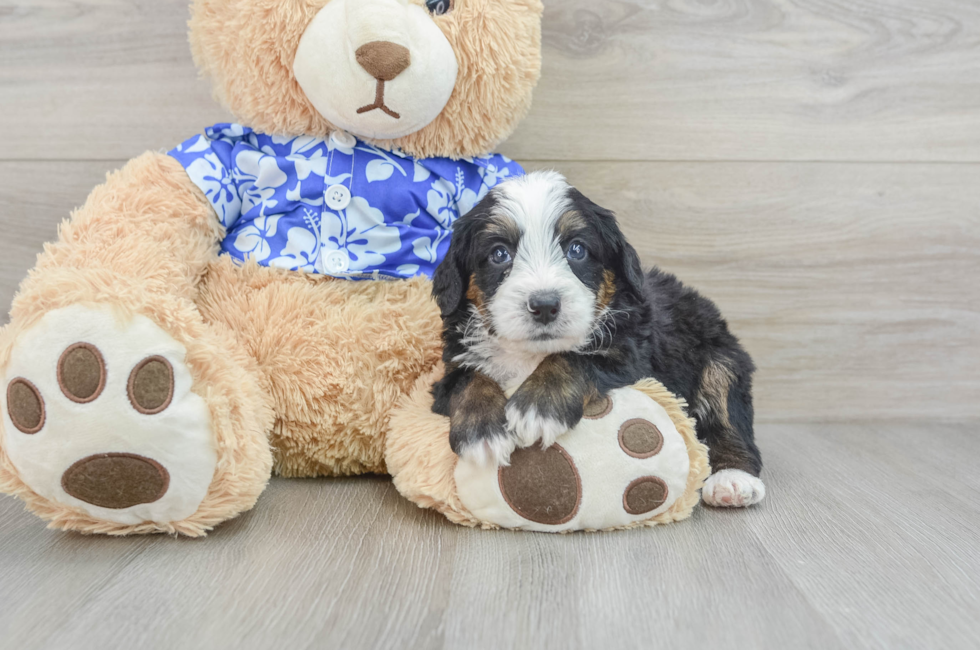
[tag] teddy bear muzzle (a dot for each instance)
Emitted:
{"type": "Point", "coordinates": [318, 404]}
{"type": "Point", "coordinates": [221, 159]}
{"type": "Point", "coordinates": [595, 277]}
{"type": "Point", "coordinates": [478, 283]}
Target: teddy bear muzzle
{"type": "Point", "coordinates": [405, 74]}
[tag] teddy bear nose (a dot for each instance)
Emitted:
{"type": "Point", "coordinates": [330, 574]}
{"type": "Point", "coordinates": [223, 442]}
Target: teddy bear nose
{"type": "Point", "coordinates": [383, 60]}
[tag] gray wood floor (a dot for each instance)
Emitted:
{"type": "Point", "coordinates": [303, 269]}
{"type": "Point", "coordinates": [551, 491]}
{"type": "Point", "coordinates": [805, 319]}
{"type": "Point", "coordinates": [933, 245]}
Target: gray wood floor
{"type": "Point", "coordinates": [869, 538]}
{"type": "Point", "coordinates": [812, 165]}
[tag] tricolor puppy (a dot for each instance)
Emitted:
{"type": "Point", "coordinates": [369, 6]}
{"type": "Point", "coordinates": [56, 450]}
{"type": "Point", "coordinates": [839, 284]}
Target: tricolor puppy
{"type": "Point", "coordinates": [541, 295]}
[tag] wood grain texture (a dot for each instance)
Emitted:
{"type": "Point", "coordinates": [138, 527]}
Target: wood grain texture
{"type": "Point", "coordinates": [868, 539]}
{"type": "Point", "coordinates": [853, 286]}
{"type": "Point", "coordinates": [852, 283]}
{"type": "Point", "coordinates": [757, 80]}
{"type": "Point", "coordinates": [877, 80]}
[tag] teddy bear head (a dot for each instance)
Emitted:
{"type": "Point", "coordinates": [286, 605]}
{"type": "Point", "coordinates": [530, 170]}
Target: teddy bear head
{"type": "Point", "coordinates": [432, 77]}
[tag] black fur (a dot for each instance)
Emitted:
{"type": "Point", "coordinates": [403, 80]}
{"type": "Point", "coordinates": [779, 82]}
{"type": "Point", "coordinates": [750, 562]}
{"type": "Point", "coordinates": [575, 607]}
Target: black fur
{"type": "Point", "coordinates": [659, 328]}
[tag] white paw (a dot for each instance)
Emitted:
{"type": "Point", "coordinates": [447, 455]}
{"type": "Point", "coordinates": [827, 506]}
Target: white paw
{"type": "Point", "coordinates": [530, 427]}
{"type": "Point", "coordinates": [99, 415]}
{"type": "Point", "coordinates": [732, 488]}
{"type": "Point", "coordinates": [493, 452]}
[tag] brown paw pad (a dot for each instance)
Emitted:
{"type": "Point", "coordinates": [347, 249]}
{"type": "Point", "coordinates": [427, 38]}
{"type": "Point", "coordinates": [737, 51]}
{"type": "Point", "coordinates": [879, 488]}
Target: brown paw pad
{"type": "Point", "coordinates": [116, 481]}
{"type": "Point", "coordinates": [597, 407]}
{"type": "Point", "coordinates": [81, 373]}
{"type": "Point", "coordinates": [644, 495]}
{"type": "Point", "coordinates": [542, 485]}
{"type": "Point", "coordinates": [151, 385]}
{"type": "Point", "coordinates": [25, 406]}
{"type": "Point", "coordinates": [640, 438]}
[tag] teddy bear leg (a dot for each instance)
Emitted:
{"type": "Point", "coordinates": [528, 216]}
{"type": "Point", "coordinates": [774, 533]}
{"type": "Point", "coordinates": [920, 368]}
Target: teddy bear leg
{"type": "Point", "coordinates": [337, 356]}
{"type": "Point", "coordinates": [123, 411]}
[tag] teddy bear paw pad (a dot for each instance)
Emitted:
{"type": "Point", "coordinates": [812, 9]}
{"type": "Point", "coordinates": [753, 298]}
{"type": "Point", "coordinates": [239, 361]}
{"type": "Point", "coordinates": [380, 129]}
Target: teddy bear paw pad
{"type": "Point", "coordinates": [100, 415]}
{"type": "Point", "coordinates": [624, 463]}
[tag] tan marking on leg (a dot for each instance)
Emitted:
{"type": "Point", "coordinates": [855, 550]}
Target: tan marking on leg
{"type": "Point", "coordinates": [716, 381]}
{"type": "Point", "coordinates": [554, 374]}
{"type": "Point", "coordinates": [483, 399]}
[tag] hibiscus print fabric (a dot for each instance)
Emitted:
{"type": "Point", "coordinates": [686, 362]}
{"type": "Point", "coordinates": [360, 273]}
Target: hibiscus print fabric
{"type": "Point", "coordinates": [336, 206]}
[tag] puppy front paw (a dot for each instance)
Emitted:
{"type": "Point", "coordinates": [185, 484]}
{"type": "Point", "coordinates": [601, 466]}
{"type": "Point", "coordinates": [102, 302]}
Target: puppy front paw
{"type": "Point", "coordinates": [733, 488]}
{"type": "Point", "coordinates": [528, 425]}
{"type": "Point", "coordinates": [549, 402]}
{"type": "Point", "coordinates": [486, 442]}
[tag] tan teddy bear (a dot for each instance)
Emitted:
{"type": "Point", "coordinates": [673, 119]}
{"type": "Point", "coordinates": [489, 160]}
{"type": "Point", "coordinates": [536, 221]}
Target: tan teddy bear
{"type": "Point", "coordinates": [258, 299]}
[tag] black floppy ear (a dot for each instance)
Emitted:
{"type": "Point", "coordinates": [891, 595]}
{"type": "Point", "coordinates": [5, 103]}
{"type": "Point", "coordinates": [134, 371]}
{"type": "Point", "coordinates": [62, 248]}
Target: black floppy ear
{"type": "Point", "coordinates": [622, 255]}
{"type": "Point", "coordinates": [630, 270]}
{"type": "Point", "coordinates": [449, 282]}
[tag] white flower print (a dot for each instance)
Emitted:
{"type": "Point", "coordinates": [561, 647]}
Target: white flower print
{"type": "Point", "coordinates": [492, 176]}
{"type": "Point", "coordinates": [362, 231]}
{"type": "Point", "coordinates": [302, 246]}
{"type": "Point", "coordinates": [381, 168]}
{"type": "Point", "coordinates": [260, 177]}
{"type": "Point", "coordinates": [218, 185]}
{"type": "Point", "coordinates": [252, 240]}
{"type": "Point", "coordinates": [227, 132]}
{"type": "Point", "coordinates": [269, 192]}
{"type": "Point", "coordinates": [445, 201]}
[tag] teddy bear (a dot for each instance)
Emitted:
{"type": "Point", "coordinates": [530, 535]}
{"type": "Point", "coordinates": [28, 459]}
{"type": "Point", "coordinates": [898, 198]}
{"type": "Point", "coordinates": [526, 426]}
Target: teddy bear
{"type": "Point", "coordinates": [257, 299]}
{"type": "Point", "coordinates": [633, 460]}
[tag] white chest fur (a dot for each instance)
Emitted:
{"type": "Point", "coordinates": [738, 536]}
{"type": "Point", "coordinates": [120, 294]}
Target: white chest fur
{"type": "Point", "coordinates": [505, 362]}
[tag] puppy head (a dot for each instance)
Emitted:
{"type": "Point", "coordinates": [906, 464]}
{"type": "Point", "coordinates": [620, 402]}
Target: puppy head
{"type": "Point", "coordinates": [539, 264]}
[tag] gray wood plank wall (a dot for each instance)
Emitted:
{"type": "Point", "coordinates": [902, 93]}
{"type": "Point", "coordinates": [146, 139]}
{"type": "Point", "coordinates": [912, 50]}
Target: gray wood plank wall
{"type": "Point", "coordinates": [810, 165]}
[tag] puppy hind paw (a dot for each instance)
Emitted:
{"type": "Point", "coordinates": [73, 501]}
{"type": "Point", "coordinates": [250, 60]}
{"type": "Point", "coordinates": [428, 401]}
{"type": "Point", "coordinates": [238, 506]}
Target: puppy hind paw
{"type": "Point", "coordinates": [733, 488]}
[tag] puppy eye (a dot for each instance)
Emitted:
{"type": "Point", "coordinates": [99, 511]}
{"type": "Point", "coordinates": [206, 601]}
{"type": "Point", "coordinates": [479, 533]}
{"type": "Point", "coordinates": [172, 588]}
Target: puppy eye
{"type": "Point", "coordinates": [439, 7]}
{"type": "Point", "coordinates": [500, 255]}
{"type": "Point", "coordinates": [576, 251]}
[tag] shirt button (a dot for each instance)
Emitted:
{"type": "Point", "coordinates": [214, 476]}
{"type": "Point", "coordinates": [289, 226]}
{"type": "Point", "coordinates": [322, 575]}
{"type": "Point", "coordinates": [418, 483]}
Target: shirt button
{"type": "Point", "coordinates": [343, 139]}
{"type": "Point", "coordinates": [337, 262]}
{"type": "Point", "coordinates": [337, 197]}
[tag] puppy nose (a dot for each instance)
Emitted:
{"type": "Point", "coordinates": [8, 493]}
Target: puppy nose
{"type": "Point", "coordinates": [383, 60]}
{"type": "Point", "coordinates": [544, 307]}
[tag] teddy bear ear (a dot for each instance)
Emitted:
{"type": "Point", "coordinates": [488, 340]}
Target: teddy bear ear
{"type": "Point", "coordinates": [269, 32]}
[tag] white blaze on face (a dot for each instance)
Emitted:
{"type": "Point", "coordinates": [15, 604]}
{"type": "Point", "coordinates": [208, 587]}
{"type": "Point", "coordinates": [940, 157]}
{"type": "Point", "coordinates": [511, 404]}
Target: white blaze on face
{"type": "Point", "coordinates": [536, 202]}
{"type": "Point", "coordinates": [327, 70]}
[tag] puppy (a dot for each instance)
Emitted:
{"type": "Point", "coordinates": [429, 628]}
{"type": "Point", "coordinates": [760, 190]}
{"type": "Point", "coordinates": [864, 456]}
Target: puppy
{"type": "Point", "coordinates": [542, 299]}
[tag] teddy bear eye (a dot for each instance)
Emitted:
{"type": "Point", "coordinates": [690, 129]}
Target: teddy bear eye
{"type": "Point", "coordinates": [439, 7]}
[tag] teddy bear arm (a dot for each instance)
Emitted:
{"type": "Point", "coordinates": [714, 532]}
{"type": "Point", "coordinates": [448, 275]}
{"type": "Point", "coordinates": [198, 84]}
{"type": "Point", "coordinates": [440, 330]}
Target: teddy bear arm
{"type": "Point", "coordinates": [148, 228]}
{"type": "Point", "coordinates": [123, 410]}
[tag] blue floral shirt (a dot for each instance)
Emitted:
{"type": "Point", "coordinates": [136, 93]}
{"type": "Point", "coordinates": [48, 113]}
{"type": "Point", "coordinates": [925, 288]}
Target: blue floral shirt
{"type": "Point", "coordinates": [336, 206]}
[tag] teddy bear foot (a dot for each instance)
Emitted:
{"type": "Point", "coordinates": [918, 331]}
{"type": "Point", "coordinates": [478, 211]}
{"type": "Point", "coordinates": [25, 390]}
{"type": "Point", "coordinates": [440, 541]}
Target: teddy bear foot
{"type": "Point", "coordinates": [100, 416]}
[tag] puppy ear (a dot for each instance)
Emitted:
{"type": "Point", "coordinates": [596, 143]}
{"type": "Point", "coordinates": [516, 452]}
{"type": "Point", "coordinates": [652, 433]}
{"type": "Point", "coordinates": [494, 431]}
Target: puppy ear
{"type": "Point", "coordinates": [631, 271]}
{"type": "Point", "coordinates": [623, 257]}
{"type": "Point", "coordinates": [447, 281]}
{"type": "Point", "coordinates": [451, 279]}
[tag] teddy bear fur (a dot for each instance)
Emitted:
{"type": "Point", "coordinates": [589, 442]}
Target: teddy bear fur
{"type": "Point", "coordinates": [299, 372]}
{"type": "Point", "coordinates": [423, 465]}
